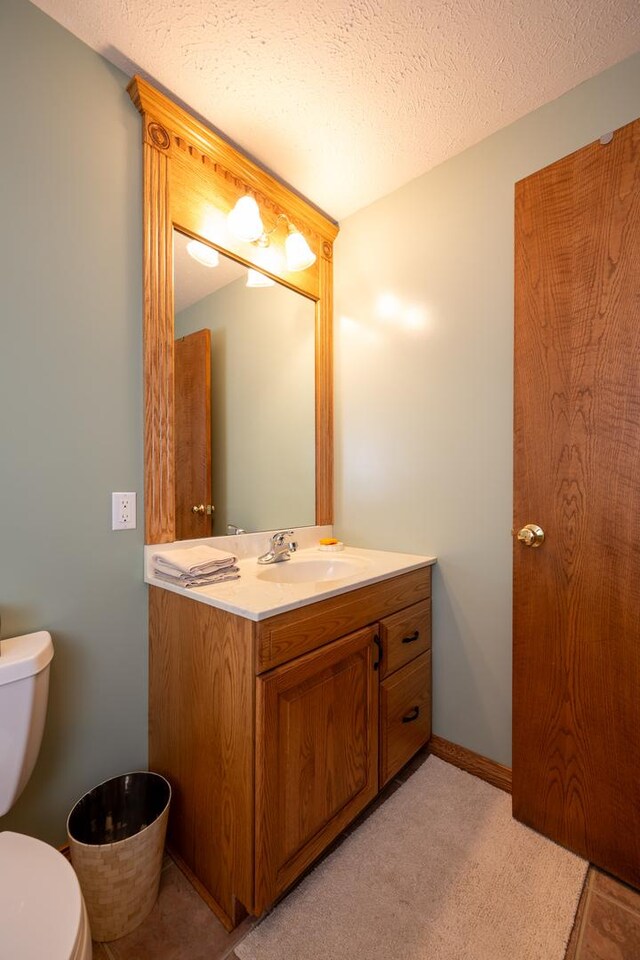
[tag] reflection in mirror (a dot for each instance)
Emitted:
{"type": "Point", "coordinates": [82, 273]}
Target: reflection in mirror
{"type": "Point", "coordinates": [244, 398]}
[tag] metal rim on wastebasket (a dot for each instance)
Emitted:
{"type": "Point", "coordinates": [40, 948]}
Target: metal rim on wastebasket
{"type": "Point", "coordinates": [115, 843]}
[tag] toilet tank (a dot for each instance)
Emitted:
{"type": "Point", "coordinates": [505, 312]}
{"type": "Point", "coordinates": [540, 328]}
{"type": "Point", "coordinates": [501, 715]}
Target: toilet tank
{"type": "Point", "coordinates": [24, 690]}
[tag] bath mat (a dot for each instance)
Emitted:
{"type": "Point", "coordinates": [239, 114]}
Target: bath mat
{"type": "Point", "coordinates": [440, 871]}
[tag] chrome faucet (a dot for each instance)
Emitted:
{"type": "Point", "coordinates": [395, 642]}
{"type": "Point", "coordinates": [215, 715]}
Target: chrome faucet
{"type": "Point", "coordinates": [234, 531]}
{"type": "Point", "coordinates": [281, 548]}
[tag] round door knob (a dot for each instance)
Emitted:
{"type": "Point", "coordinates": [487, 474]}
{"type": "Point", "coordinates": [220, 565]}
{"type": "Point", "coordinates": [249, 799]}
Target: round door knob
{"type": "Point", "coordinates": [199, 509]}
{"type": "Point", "coordinates": [531, 535]}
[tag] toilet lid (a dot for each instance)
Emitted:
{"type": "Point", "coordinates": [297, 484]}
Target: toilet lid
{"type": "Point", "coordinates": [40, 901]}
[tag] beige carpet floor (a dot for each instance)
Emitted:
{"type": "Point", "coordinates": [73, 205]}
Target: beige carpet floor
{"type": "Point", "coordinates": [439, 872]}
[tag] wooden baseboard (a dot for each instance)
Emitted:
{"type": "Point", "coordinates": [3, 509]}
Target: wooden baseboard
{"type": "Point", "coordinates": [494, 773]}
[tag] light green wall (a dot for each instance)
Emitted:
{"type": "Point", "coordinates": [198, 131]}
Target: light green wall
{"type": "Point", "coordinates": [423, 415]}
{"type": "Point", "coordinates": [70, 402]}
{"type": "Point", "coordinates": [263, 404]}
{"type": "Point", "coordinates": [424, 397]}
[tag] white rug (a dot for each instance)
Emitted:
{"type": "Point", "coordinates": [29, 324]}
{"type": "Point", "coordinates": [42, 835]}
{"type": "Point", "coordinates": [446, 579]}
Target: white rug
{"type": "Point", "coordinates": [439, 872]}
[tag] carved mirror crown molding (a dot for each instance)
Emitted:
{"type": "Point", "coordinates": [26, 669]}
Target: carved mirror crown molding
{"type": "Point", "coordinates": [192, 179]}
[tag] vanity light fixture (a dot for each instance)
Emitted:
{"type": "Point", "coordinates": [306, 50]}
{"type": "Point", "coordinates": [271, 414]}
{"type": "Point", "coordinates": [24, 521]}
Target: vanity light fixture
{"type": "Point", "coordinates": [298, 252]}
{"type": "Point", "coordinates": [205, 255]}
{"type": "Point", "coordinates": [245, 223]}
{"type": "Point", "coordinates": [244, 220]}
{"type": "Point", "coordinates": [257, 279]}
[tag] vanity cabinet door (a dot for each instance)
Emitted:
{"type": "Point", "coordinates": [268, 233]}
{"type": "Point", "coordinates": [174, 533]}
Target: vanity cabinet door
{"type": "Point", "coordinates": [316, 756]}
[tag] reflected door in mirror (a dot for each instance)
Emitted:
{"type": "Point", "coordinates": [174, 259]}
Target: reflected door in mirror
{"type": "Point", "coordinates": [262, 386]}
{"type": "Point", "coordinates": [192, 377]}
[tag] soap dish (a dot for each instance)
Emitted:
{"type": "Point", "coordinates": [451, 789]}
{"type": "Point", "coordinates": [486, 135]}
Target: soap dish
{"type": "Point", "coordinates": [332, 547]}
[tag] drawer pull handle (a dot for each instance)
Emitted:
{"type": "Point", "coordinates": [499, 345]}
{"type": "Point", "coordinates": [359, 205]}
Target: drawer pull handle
{"type": "Point", "coordinates": [412, 638]}
{"type": "Point", "coordinates": [412, 715]}
{"type": "Point", "coordinates": [378, 643]}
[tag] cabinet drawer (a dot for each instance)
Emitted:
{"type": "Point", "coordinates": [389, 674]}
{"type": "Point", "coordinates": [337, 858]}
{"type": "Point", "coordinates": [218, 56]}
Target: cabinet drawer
{"type": "Point", "coordinates": [405, 635]}
{"type": "Point", "coordinates": [289, 635]}
{"type": "Point", "coordinates": [405, 715]}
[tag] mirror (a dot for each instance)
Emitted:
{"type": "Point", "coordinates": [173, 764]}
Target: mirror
{"type": "Point", "coordinates": [244, 370]}
{"type": "Point", "coordinates": [193, 179]}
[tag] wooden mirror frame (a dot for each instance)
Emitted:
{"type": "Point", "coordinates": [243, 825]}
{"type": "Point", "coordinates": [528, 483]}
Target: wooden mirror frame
{"type": "Point", "coordinates": [192, 178]}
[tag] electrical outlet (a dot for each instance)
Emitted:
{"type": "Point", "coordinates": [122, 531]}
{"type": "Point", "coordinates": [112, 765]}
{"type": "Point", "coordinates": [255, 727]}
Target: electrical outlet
{"type": "Point", "coordinates": [123, 511]}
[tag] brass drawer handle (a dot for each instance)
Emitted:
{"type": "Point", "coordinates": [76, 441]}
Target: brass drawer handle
{"type": "Point", "coordinates": [412, 715]}
{"type": "Point", "coordinates": [412, 638]}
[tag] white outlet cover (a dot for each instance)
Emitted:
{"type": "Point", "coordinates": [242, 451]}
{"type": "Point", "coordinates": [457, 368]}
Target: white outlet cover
{"type": "Point", "coordinates": [123, 511]}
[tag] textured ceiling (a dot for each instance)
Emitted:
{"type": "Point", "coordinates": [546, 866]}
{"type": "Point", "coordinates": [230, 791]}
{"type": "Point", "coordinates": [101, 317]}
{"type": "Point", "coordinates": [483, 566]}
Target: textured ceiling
{"type": "Point", "coordinates": [347, 100]}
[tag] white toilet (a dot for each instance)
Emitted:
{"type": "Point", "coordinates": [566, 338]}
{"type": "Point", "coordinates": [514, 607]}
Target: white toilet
{"type": "Point", "coordinates": [42, 912]}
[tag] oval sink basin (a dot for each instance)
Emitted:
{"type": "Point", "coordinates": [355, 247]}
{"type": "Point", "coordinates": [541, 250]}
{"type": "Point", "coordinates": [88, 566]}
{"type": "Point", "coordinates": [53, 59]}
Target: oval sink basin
{"type": "Point", "coordinates": [310, 571]}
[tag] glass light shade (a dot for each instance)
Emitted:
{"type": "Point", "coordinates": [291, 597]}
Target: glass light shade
{"type": "Point", "coordinates": [205, 255]}
{"type": "Point", "coordinates": [299, 253]}
{"type": "Point", "coordinates": [257, 279]}
{"type": "Point", "coordinates": [244, 220]}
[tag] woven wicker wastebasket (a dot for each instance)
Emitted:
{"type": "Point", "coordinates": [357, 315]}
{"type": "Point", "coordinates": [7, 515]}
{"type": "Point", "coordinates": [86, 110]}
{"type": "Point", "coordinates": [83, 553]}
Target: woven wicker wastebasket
{"type": "Point", "coordinates": [116, 839]}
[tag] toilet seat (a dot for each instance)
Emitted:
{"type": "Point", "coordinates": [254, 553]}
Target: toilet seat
{"type": "Point", "coordinates": [42, 912]}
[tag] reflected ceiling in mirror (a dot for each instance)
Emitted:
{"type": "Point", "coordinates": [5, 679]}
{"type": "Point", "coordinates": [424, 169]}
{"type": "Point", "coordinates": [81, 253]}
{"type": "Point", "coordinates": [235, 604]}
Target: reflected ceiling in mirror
{"type": "Point", "coordinates": [244, 373]}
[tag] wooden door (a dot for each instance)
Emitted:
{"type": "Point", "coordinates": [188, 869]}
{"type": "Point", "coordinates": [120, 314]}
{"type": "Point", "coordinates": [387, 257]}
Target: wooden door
{"type": "Point", "coordinates": [576, 746]}
{"type": "Point", "coordinates": [192, 377]}
{"type": "Point", "coordinates": [317, 756]}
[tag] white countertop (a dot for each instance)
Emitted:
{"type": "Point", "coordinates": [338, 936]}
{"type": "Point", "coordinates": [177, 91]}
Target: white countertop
{"type": "Point", "coordinates": [255, 597]}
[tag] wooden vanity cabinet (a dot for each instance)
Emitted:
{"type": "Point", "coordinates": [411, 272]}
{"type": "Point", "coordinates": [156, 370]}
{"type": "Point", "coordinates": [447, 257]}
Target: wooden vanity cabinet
{"type": "Point", "coordinates": [275, 734]}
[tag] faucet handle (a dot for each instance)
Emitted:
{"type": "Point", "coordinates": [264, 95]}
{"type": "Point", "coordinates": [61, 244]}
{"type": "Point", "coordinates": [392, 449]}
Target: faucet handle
{"type": "Point", "coordinates": [279, 538]}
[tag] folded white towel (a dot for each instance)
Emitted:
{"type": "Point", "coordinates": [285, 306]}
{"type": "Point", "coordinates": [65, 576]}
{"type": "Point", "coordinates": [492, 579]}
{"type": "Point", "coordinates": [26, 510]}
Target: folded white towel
{"type": "Point", "coordinates": [203, 580]}
{"type": "Point", "coordinates": [193, 560]}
